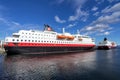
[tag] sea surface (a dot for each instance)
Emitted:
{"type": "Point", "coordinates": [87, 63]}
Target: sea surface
{"type": "Point", "coordinates": [93, 65]}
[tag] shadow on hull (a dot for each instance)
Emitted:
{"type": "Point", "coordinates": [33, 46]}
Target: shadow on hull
{"type": "Point", "coordinates": [45, 50]}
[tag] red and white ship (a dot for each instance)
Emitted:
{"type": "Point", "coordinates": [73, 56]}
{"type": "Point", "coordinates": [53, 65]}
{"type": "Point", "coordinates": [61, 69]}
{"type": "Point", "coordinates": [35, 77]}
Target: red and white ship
{"type": "Point", "coordinates": [47, 41]}
{"type": "Point", "coordinates": [105, 44]}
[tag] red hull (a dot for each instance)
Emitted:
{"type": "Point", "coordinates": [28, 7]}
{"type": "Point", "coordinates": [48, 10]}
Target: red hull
{"type": "Point", "coordinates": [13, 48]}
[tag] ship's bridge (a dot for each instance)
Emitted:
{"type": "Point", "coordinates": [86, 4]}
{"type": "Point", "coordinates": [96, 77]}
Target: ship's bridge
{"type": "Point", "coordinates": [16, 35]}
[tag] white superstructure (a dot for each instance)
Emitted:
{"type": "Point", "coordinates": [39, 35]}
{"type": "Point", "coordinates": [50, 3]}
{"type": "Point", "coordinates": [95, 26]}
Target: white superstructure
{"type": "Point", "coordinates": [33, 36]}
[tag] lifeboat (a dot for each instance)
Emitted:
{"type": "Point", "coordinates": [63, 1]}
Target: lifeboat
{"type": "Point", "coordinates": [70, 37]}
{"type": "Point", "coordinates": [80, 39]}
{"type": "Point", "coordinates": [61, 36]}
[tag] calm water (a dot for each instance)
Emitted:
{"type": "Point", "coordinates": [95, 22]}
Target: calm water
{"type": "Point", "coordinates": [94, 65]}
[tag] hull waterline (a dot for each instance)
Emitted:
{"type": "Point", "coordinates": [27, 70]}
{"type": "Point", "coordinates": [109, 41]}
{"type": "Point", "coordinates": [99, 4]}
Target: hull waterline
{"type": "Point", "coordinates": [45, 50]}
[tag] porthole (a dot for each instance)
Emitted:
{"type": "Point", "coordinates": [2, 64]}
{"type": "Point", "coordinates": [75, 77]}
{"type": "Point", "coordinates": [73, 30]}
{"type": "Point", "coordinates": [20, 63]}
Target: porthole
{"type": "Point", "coordinates": [13, 40]}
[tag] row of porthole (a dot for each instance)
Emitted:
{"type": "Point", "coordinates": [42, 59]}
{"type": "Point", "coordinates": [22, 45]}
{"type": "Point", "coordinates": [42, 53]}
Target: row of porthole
{"type": "Point", "coordinates": [37, 34]}
{"type": "Point", "coordinates": [37, 37]}
{"type": "Point", "coordinates": [39, 41]}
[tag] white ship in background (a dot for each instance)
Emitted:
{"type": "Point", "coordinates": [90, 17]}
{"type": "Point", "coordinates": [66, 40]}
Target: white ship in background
{"type": "Point", "coordinates": [47, 41]}
{"type": "Point", "coordinates": [106, 44]}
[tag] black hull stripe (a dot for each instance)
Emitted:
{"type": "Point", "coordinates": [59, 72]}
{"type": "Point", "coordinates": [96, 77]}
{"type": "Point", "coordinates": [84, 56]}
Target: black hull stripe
{"type": "Point", "coordinates": [105, 47]}
{"type": "Point", "coordinates": [40, 50]}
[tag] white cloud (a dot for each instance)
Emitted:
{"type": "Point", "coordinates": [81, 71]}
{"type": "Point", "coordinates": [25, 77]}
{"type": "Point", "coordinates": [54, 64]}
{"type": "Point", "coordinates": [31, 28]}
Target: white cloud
{"type": "Point", "coordinates": [114, 8]}
{"type": "Point", "coordinates": [112, 1]}
{"type": "Point", "coordinates": [72, 25]}
{"type": "Point", "coordinates": [111, 15]}
{"type": "Point", "coordinates": [77, 5]}
{"type": "Point", "coordinates": [113, 18]}
{"type": "Point", "coordinates": [99, 1]}
{"type": "Point", "coordinates": [9, 23]}
{"type": "Point", "coordinates": [94, 8]}
{"type": "Point", "coordinates": [104, 33]}
{"type": "Point", "coordinates": [98, 28]}
{"type": "Point", "coordinates": [3, 10]}
{"type": "Point", "coordinates": [14, 26]}
{"type": "Point", "coordinates": [79, 14]}
{"type": "Point", "coordinates": [57, 19]}
{"type": "Point", "coordinates": [96, 14]}
{"type": "Point", "coordinates": [74, 3]}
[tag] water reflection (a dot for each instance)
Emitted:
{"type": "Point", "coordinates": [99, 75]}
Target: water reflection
{"type": "Point", "coordinates": [51, 66]}
{"type": "Point", "coordinates": [99, 64]}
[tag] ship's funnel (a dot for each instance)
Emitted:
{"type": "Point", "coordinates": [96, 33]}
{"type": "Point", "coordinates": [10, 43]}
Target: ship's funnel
{"type": "Point", "coordinates": [47, 28]}
{"type": "Point", "coordinates": [105, 39]}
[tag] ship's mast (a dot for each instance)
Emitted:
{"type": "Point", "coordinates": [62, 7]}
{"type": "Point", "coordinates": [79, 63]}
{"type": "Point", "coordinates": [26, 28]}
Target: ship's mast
{"type": "Point", "coordinates": [63, 30]}
{"type": "Point", "coordinates": [78, 32]}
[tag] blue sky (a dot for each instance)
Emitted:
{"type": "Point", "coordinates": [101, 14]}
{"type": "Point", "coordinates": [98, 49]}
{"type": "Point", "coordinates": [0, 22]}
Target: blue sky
{"type": "Point", "coordinates": [96, 18]}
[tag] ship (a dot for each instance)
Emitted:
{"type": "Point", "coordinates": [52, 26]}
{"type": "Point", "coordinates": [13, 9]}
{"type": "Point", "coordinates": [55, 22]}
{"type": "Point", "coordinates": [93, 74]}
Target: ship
{"type": "Point", "coordinates": [106, 44]}
{"type": "Point", "coordinates": [47, 41]}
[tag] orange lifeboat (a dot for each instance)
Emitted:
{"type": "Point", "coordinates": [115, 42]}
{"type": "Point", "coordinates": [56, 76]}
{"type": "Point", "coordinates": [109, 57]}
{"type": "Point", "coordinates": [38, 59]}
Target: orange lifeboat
{"type": "Point", "coordinates": [80, 39]}
{"type": "Point", "coordinates": [61, 36]}
{"type": "Point", "coordinates": [70, 37]}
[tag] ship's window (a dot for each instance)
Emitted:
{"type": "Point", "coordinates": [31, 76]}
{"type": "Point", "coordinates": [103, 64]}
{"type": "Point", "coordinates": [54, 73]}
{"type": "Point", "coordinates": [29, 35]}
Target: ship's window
{"type": "Point", "coordinates": [25, 40]}
{"type": "Point", "coordinates": [35, 40]}
{"type": "Point", "coordinates": [13, 40]}
{"type": "Point", "coordinates": [21, 40]}
{"type": "Point", "coordinates": [32, 40]}
{"type": "Point", "coordinates": [17, 40]}
{"type": "Point", "coordinates": [29, 40]}
{"type": "Point", "coordinates": [22, 32]}
{"type": "Point", "coordinates": [38, 41]}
